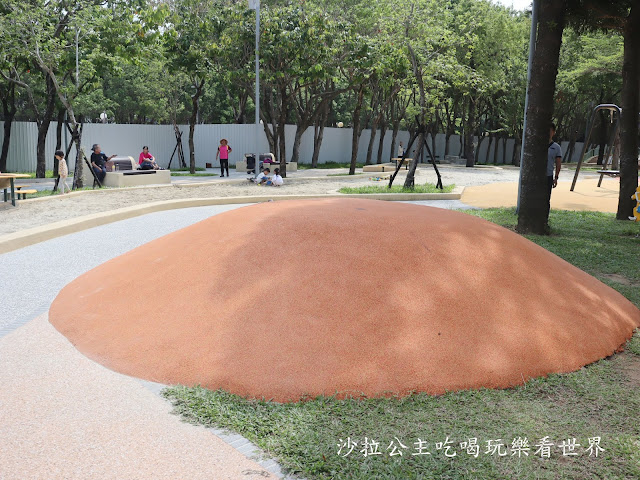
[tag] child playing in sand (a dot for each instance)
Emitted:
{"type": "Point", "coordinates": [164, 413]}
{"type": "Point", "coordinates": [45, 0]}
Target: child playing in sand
{"type": "Point", "coordinates": [63, 171]}
{"type": "Point", "coordinates": [276, 180]}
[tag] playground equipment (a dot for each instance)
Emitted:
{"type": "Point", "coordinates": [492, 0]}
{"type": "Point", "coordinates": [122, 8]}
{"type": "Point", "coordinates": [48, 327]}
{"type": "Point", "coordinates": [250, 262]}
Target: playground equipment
{"type": "Point", "coordinates": [614, 109]}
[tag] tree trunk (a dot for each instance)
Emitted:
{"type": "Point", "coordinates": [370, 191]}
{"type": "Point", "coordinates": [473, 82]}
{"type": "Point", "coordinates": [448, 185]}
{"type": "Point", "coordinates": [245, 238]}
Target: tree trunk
{"type": "Point", "coordinates": [284, 110]}
{"type": "Point", "coordinates": [195, 104]}
{"type": "Point", "coordinates": [318, 134]}
{"type": "Point", "coordinates": [533, 212]}
{"type": "Point", "coordinates": [355, 139]}
{"type": "Point", "coordinates": [59, 127]}
{"type": "Point", "coordinates": [383, 132]}
{"type": "Point", "coordinates": [372, 139]}
{"type": "Point", "coordinates": [477, 153]}
{"type": "Point", "coordinates": [43, 129]}
{"type": "Point", "coordinates": [468, 141]}
{"type": "Point", "coordinates": [9, 113]}
{"type": "Point", "coordinates": [394, 138]}
{"type": "Point", "coordinates": [629, 119]}
{"type": "Point", "coordinates": [300, 129]}
{"type": "Point", "coordinates": [409, 181]}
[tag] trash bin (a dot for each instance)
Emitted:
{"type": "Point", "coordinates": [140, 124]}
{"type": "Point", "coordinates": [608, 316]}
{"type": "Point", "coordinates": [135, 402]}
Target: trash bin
{"type": "Point", "coordinates": [250, 158]}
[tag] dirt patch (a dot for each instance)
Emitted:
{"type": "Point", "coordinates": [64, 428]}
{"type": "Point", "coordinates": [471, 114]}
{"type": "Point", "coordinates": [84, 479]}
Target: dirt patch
{"type": "Point", "coordinates": [629, 364]}
{"type": "Point", "coordinates": [622, 280]}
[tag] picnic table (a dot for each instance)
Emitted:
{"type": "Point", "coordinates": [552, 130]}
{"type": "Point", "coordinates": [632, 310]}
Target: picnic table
{"type": "Point", "coordinates": [405, 162]}
{"type": "Point", "coordinates": [7, 181]}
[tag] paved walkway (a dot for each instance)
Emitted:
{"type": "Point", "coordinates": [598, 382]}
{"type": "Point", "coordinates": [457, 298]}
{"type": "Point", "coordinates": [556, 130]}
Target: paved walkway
{"type": "Point", "coordinates": [64, 416]}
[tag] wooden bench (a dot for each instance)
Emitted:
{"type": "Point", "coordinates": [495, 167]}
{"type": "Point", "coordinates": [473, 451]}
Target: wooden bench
{"type": "Point", "coordinates": [405, 162]}
{"type": "Point", "coordinates": [24, 192]}
{"type": "Point", "coordinates": [613, 173]}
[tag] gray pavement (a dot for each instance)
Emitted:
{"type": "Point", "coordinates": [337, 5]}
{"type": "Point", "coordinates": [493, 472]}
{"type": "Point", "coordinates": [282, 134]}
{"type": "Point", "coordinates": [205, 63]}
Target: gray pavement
{"type": "Point", "coordinates": [32, 277]}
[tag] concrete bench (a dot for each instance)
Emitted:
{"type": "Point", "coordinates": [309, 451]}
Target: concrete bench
{"type": "Point", "coordinates": [381, 167]}
{"type": "Point", "coordinates": [132, 178]}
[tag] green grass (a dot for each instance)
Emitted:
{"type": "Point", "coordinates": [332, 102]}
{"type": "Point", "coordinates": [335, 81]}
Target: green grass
{"type": "Point", "coordinates": [49, 193]}
{"type": "Point", "coordinates": [47, 174]}
{"type": "Point", "coordinates": [427, 188]}
{"type": "Point", "coordinates": [307, 166]}
{"type": "Point", "coordinates": [598, 400]}
{"type": "Point", "coordinates": [187, 169]}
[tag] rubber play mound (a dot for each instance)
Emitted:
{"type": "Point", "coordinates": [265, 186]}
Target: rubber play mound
{"type": "Point", "coordinates": [289, 299]}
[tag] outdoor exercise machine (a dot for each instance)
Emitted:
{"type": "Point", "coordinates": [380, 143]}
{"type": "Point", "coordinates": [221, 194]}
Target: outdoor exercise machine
{"type": "Point", "coordinates": [609, 151]}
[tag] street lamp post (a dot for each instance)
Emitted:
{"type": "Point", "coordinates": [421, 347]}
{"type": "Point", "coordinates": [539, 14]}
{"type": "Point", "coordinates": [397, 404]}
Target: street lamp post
{"type": "Point", "coordinates": [255, 5]}
{"type": "Point", "coordinates": [532, 48]}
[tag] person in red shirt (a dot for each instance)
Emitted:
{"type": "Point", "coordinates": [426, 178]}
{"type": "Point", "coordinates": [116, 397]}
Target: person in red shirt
{"type": "Point", "coordinates": [146, 160]}
{"type": "Point", "coordinates": [223, 153]}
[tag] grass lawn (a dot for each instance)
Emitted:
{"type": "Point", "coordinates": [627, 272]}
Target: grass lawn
{"type": "Point", "coordinates": [426, 188]}
{"type": "Point", "coordinates": [187, 169]}
{"type": "Point", "coordinates": [48, 193]}
{"type": "Point", "coordinates": [307, 166]}
{"type": "Point", "coordinates": [47, 174]}
{"type": "Point", "coordinates": [600, 400]}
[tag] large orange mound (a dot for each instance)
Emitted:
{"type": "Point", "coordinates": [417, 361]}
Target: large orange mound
{"type": "Point", "coordinates": [286, 299]}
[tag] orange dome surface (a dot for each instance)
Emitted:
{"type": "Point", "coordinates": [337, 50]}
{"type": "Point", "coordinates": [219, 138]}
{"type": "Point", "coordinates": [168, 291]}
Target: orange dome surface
{"type": "Point", "coordinates": [286, 299]}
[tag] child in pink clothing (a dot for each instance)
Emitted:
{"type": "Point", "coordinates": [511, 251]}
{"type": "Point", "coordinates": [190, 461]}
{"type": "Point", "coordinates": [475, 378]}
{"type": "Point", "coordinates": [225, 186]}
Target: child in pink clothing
{"type": "Point", "coordinates": [223, 153]}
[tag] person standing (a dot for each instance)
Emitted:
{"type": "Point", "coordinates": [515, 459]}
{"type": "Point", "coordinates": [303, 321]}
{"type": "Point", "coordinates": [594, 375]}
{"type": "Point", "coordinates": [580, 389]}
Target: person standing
{"type": "Point", "coordinates": [63, 171]}
{"type": "Point", "coordinates": [554, 163]}
{"type": "Point", "coordinates": [98, 162]}
{"type": "Point", "coordinates": [223, 153]}
{"type": "Point", "coordinates": [400, 150]}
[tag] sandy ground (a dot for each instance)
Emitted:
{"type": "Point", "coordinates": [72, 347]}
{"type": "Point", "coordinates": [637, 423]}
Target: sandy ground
{"type": "Point", "coordinates": [30, 214]}
{"type": "Point", "coordinates": [65, 417]}
{"type": "Point", "coordinates": [344, 318]}
{"type": "Point", "coordinates": [586, 196]}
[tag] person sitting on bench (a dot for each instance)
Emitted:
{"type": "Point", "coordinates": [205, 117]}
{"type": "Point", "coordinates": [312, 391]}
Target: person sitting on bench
{"type": "Point", "coordinates": [98, 162]}
{"type": "Point", "coordinates": [147, 161]}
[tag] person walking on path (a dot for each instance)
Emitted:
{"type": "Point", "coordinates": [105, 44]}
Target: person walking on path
{"type": "Point", "coordinates": [63, 171]}
{"type": "Point", "coordinates": [554, 163]}
{"type": "Point", "coordinates": [223, 153]}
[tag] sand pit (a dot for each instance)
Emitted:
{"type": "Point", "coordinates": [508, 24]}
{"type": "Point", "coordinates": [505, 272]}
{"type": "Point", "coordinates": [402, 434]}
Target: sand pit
{"type": "Point", "coordinates": [350, 296]}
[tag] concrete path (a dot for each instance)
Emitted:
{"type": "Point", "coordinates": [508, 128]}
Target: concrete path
{"type": "Point", "coordinates": [63, 416]}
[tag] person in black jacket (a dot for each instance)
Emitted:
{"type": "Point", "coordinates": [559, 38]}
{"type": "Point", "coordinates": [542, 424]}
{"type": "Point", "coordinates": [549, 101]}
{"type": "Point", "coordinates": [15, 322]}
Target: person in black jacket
{"type": "Point", "coordinates": [98, 162]}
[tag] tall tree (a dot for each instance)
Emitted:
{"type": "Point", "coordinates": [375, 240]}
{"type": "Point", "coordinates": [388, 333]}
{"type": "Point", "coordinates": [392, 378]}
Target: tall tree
{"type": "Point", "coordinates": [532, 215]}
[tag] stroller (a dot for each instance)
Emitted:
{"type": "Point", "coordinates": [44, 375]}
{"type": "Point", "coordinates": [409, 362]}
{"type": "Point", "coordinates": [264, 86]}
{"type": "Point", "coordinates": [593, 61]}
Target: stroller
{"type": "Point", "coordinates": [251, 162]}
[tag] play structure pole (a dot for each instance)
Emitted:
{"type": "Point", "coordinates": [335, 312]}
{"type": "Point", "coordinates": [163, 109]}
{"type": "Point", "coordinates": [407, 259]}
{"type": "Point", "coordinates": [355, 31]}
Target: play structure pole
{"type": "Point", "coordinates": [607, 106]}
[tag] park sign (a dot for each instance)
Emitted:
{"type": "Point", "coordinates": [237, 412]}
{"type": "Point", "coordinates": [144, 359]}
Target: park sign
{"type": "Point", "coordinates": [254, 4]}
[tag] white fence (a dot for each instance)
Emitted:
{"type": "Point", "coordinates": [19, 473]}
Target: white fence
{"type": "Point", "coordinates": [129, 140]}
